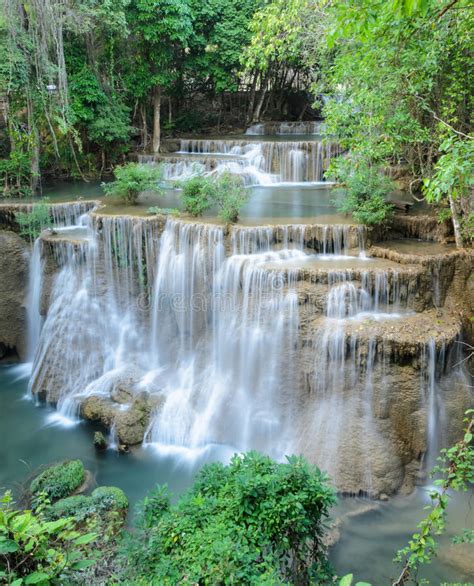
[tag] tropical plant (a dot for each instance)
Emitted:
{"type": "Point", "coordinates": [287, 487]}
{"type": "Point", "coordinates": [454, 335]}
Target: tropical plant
{"type": "Point", "coordinates": [252, 521]}
{"type": "Point", "coordinates": [229, 195]}
{"type": "Point", "coordinates": [196, 194]}
{"type": "Point", "coordinates": [453, 181]}
{"type": "Point", "coordinates": [34, 550]}
{"type": "Point", "coordinates": [365, 189]}
{"type": "Point", "coordinates": [397, 86]}
{"type": "Point", "coordinates": [36, 219]}
{"type": "Point", "coordinates": [131, 180]}
{"type": "Point", "coordinates": [456, 472]}
{"type": "Point", "coordinates": [223, 191]}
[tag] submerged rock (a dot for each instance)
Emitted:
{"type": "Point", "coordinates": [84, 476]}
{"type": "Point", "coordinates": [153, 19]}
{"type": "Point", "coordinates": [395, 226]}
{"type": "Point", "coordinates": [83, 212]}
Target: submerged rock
{"type": "Point", "coordinates": [459, 556]}
{"type": "Point", "coordinates": [100, 443]}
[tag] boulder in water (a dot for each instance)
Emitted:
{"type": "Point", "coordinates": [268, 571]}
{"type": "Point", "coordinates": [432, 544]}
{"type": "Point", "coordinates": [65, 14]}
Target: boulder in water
{"type": "Point", "coordinates": [132, 424]}
{"type": "Point", "coordinates": [100, 443]}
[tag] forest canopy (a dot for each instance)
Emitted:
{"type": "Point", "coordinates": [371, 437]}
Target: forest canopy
{"type": "Point", "coordinates": [85, 82]}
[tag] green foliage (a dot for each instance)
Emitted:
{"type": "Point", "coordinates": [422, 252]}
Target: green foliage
{"type": "Point", "coordinates": [365, 191]}
{"type": "Point", "coordinates": [253, 521]}
{"type": "Point", "coordinates": [155, 210]}
{"type": "Point", "coordinates": [77, 506]}
{"type": "Point", "coordinates": [15, 170]}
{"type": "Point", "coordinates": [103, 500]}
{"type": "Point", "coordinates": [456, 472]}
{"type": "Point", "coordinates": [453, 178]}
{"type": "Point", "coordinates": [131, 180]}
{"type": "Point", "coordinates": [34, 550]}
{"type": "Point", "coordinates": [229, 195]}
{"type": "Point", "coordinates": [38, 218]}
{"type": "Point", "coordinates": [396, 76]}
{"type": "Point", "coordinates": [224, 191]}
{"type": "Point", "coordinates": [59, 481]}
{"type": "Point", "coordinates": [196, 194]}
{"type": "Point", "coordinates": [110, 498]}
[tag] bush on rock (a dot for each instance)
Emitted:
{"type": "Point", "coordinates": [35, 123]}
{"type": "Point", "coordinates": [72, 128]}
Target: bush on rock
{"type": "Point", "coordinates": [60, 480]}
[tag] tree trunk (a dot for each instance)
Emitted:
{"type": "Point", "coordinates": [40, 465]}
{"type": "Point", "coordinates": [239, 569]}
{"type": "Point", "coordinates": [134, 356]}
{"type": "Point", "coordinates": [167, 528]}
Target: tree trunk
{"type": "Point", "coordinates": [35, 149]}
{"type": "Point", "coordinates": [258, 108]}
{"type": "Point", "coordinates": [143, 126]}
{"type": "Point", "coordinates": [456, 222]}
{"type": "Point", "coordinates": [156, 120]}
{"type": "Point", "coordinates": [252, 98]}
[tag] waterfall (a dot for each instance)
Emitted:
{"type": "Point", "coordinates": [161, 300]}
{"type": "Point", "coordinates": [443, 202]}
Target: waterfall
{"type": "Point", "coordinates": [433, 361]}
{"type": "Point", "coordinates": [258, 163]}
{"type": "Point", "coordinates": [237, 340]}
{"type": "Point", "coordinates": [34, 300]}
{"type": "Point", "coordinates": [229, 389]}
{"type": "Point", "coordinates": [284, 128]}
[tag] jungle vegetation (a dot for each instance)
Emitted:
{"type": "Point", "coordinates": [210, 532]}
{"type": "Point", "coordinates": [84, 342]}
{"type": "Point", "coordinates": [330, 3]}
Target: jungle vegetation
{"type": "Point", "coordinates": [83, 83]}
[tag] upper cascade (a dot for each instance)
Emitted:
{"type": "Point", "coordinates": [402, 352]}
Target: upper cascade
{"type": "Point", "coordinates": [266, 162]}
{"type": "Point", "coordinates": [284, 128]}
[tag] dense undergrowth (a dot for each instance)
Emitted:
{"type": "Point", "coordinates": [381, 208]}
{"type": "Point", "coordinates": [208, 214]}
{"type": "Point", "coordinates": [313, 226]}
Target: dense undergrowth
{"type": "Point", "coordinates": [253, 521]}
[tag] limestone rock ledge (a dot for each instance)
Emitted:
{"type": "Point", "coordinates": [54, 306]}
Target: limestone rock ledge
{"type": "Point", "coordinates": [13, 292]}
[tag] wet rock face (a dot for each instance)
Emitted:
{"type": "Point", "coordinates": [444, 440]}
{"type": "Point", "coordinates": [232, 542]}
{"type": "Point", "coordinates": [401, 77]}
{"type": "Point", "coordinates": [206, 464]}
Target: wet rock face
{"type": "Point", "coordinates": [13, 291]}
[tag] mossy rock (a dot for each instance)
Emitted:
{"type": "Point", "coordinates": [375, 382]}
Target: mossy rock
{"type": "Point", "coordinates": [59, 481]}
{"type": "Point", "coordinates": [110, 498]}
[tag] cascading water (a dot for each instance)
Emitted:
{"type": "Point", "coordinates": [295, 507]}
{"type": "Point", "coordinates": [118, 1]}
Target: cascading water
{"type": "Point", "coordinates": [34, 300]}
{"type": "Point", "coordinates": [284, 128]}
{"type": "Point", "coordinates": [208, 321]}
{"type": "Point", "coordinates": [257, 163]}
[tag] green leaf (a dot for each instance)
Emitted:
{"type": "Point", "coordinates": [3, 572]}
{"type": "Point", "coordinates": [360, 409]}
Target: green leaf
{"type": "Point", "coordinates": [36, 578]}
{"type": "Point", "coordinates": [346, 580]}
{"type": "Point", "coordinates": [82, 565]}
{"type": "Point", "coordinates": [8, 546]}
{"type": "Point", "coordinates": [84, 539]}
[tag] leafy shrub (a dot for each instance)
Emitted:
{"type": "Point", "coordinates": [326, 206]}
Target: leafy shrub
{"type": "Point", "coordinates": [365, 191]}
{"type": "Point", "coordinates": [59, 481]}
{"type": "Point", "coordinates": [35, 220]}
{"type": "Point", "coordinates": [253, 521]}
{"type": "Point", "coordinates": [77, 506]}
{"type": "Point", "coordinates": [229, 195]}
{"type": "Point", "coordinates": [197, 195]}
{"type": "Point", "coordinates": [131, 180]}
{"type": "Point", "coordinates": [34, 550]}
{"type": "Point", "coordinates": [226, 192]}
{"type": "Point", "coordinates": [110, 498]}
{"type": "Point", "coordinates": [15, 168]}
{"type": "Point", "coordinates": [103, 500]}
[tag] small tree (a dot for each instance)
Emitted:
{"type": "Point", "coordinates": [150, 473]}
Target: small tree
{"type": "Point", "coordinates": [225, 192]}
{"type": "Point", "coordinates": [364, 191]}
{"type": "Point", "coordinates": [453, 181]}
{"type": "Point", "coordinates": [253, 521]}
{"type": "Point", "coordinates": [131, 180]}
{"type": "Point", "coordinates": [35, 220]}
{"type": "Point", "coordinates": [196, 195]}
{"type": "Point", "coordinates": [229, 195]}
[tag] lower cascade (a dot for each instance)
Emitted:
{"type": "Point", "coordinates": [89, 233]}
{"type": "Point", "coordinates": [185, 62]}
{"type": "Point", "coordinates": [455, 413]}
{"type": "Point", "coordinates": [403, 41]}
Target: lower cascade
{"type": "Point", "coordinates": [287, 339]}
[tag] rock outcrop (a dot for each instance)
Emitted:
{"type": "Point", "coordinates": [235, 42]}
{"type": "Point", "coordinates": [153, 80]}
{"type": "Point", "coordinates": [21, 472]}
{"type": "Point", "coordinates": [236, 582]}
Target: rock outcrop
{"type": "Point", "coordinates": [13, 292]}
